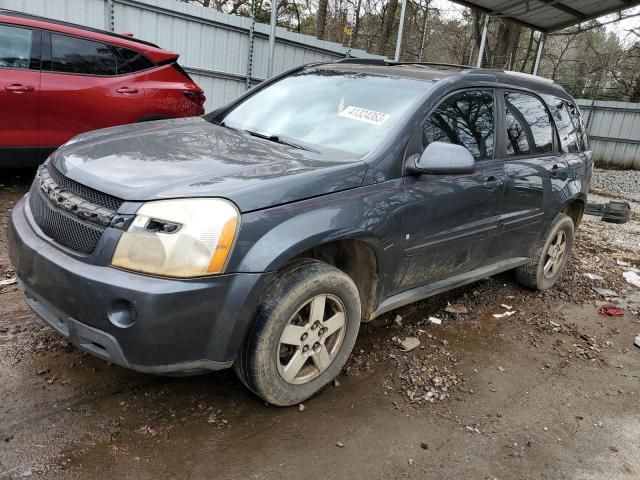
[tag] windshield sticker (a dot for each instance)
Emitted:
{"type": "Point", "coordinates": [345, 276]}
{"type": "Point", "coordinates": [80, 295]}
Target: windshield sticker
{"type": "Point", "coordinates": [363, 115]}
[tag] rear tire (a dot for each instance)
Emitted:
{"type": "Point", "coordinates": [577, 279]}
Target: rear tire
{"type": "Point", "coordinates": [305, 329]}
{"type": "Point", "coordinates": [549, 257]}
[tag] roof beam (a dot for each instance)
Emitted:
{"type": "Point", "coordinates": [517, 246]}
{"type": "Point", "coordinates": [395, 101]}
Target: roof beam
{"type": "Point", "coordinates": [505, 10]}
{"type": "Point", "coordinates": [493, 13]}
{"type": "Point", "coordinates": [601, 13]}
{"type": "Point", "coordinates": [566, 9]}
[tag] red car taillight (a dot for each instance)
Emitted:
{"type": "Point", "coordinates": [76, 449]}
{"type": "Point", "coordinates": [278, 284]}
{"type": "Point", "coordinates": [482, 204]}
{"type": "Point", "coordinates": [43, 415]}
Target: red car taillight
{"type": "Point", "coordinates": [196, 97]}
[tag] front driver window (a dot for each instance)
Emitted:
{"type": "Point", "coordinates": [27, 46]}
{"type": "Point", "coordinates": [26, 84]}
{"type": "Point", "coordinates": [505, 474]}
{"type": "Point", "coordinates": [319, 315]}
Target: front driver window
{"type": "Point", "coordinates": [465, 119]}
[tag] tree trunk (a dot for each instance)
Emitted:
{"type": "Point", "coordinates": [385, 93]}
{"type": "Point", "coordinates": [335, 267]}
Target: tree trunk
{"type": "Point", "coordinates": [356, 25]}
{"type": "Point", "coordinates": [506, 44]}
{"type": "Point", "coordinates": [387, 25]}
{"type": "Point", "coordinates": [323, 7]}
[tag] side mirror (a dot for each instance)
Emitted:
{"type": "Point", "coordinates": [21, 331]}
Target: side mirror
{"type": "Point", "coordinates": [443, 158]}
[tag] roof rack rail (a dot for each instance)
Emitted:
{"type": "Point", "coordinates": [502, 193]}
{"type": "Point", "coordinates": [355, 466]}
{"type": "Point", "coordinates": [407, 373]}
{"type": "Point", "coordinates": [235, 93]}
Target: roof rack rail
{"type": "Point", "coordinates": [529, 76]}
{"type": "Point", "coordinates": [384, 61]}
{"type": "Point", "coordinates": [366, 61]}
{"type": "Point", "coordinates": [436, 64]}
{"type": "Point", "coordinates": [14, 13]}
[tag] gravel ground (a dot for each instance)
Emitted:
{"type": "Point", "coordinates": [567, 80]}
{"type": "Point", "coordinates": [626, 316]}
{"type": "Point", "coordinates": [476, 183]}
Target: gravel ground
{"type": "Point", "coordinates": [618, 183]}
{"type": "Point", "coordinates": [549, 392]}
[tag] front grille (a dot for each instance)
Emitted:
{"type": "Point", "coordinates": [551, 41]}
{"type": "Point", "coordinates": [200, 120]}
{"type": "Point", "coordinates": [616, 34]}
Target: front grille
{"type": "Point", "coordinates": [66, 217]}
{"type": "Point", "coordinates": [84, 192]}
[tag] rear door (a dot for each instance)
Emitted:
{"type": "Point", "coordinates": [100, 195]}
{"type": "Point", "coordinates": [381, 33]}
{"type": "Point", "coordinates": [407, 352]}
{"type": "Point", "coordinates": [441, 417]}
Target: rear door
{"type": "Point", "coordinates": [83, 90]}
{"type": "Point", "coordinates": [19, 95]}
{"type": "Point", "coordinates": [450, 221]}
{"type": "Point", "coordinates": [535, 171]}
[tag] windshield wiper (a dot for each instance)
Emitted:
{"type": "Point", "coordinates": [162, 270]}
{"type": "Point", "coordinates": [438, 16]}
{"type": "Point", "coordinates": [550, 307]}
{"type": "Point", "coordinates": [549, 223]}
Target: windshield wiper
{"type": "Point", "coordinates": [277, 139]}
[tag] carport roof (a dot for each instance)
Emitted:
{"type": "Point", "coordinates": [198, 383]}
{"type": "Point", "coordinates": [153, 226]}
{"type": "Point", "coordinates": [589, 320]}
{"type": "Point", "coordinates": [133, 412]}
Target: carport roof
{"type": "Point", "coordinates": [549, 15]}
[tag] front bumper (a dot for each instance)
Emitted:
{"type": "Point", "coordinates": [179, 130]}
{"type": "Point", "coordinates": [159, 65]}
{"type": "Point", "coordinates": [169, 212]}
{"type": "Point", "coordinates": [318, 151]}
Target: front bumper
{"type": "Point", "coordinates": [173, 326]}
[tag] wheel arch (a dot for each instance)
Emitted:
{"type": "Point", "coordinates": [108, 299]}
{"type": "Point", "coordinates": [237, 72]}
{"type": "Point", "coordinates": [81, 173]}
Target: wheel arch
{"type": "Point", "coordinates": [574, 208]}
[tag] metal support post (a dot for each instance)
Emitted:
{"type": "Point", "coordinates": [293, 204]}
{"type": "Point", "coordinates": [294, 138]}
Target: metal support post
{"type": "Point", "coordinates": [272, 37]}
{"type": "Point", "coordinates": [483, 40]}
{"type": "Point", "coordinates": [539, 54]}
{"type": "Point", "coordinates": [400, 29]}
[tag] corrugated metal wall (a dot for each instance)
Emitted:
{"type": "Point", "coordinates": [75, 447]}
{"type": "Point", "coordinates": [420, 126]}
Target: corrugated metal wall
{"type": "Point", "coordinates": [614, 132]}
{"type": "Point", "coordinates": [214, 47]}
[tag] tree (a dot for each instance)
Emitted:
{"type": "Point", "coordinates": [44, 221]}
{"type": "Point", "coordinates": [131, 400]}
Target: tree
{"type": "Point", "coordinates": [387, 25]}
{"type": "Point", "coordinates": [322, 18]}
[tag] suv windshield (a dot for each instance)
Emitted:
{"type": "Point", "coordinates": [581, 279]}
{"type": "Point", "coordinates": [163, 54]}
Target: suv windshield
{"type": "Point", "coordinates": [351, 112]}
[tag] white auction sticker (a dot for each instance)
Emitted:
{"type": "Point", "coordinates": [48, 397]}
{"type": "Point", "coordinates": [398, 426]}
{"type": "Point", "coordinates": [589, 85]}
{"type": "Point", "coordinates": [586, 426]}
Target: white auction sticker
{"type": "Point", "coordinates": [364, 115]}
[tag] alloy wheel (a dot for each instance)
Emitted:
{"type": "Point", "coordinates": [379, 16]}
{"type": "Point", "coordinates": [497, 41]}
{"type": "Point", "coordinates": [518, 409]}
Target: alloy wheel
{"type": "Point", "coordinates": [555, 254]}
{"type": "Point", "coordinates": [311, 339]}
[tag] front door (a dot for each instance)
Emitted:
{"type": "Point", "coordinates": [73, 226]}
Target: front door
{"type": "Point", "coordinates": [19, 95]}
{"type": "Point", "coordinates": [450, 221]}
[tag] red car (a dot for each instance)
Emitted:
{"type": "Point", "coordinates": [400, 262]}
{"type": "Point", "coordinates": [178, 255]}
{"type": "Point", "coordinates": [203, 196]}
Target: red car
{"type": "Point", "coordinates": [59, 79]}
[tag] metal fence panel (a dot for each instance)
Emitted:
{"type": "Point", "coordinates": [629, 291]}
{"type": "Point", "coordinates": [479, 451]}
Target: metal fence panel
{"type": "Point", "coordinates": [214, 47]}
{"type": "Point", "coordinates": [614, 132]}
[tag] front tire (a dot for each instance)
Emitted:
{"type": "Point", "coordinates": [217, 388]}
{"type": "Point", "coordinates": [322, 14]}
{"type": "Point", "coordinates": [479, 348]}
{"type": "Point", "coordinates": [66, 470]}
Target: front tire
{"type": "Point", "coordinates": [305, 329]}
{"type": "Point", "coordinates": [549, 257]}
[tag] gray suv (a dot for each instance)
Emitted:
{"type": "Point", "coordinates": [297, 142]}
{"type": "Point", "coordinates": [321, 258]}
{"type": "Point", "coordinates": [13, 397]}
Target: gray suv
{"type": "Point", "coordinates": [260, 235]}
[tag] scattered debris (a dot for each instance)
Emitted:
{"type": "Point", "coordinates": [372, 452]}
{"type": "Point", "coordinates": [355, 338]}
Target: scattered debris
{"type": "Point", "coordinates": [508, 313]}
{"type": "Point", "coordinates": [398, 320]}
{"type": "Point", "coordinates": [606, 292]}
{"type": "Point", "coordinates": [611, 310]}
{"type": "Point", "coordinates": [501, 369]}
{"type": "Point", "coordinates": [506, 307]}
{"type": "Point", "coordinates": [593, 276]}
{"type": "Point", "coordinates": [633, 278]}
{"type": "Point", "coordinates": [455, 308]}
{"type": "Point", "coordinates": [146, 430]}
{"type": "Point", "coordinates": [8, 281]}
{"type": "Point", "coordinates": [301, 407]}
{"type": "Point", "coordinates": [336, 383]}
{"type": "Point", "coordinates": [435, 320]}
{"type": "Point", "coordinates": [424, 383]}
{"type": "Point", "coordinates": [409, 343]}
{"type": "Point", "coordinates": [340, 444]}
{"type": "Point", "coordinates": [622, 263]}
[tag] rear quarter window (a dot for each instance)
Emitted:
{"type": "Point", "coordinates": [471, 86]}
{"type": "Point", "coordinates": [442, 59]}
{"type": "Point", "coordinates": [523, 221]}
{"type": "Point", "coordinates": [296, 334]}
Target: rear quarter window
{"type": "Point", "coordinates": [130, 61]}
{"type": "Point", "coordinates": [568, 126]}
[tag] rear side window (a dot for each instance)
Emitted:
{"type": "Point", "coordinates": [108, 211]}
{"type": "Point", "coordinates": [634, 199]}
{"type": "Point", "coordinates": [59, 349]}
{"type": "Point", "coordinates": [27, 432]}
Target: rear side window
{"type": "Point", "coordinates": [568, 127]}
{"type": "Point", "coordinates": [465, 119]}
{"type": "Point", "coordinates": [529, 127]}
{"type": "Point", "coordinates": [77, 55]}
{"type": "Point", "coordinates": [15, 47]}
{"type": "Point", "coordinates": [130, 61]}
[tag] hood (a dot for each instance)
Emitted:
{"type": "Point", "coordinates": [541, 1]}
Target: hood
{"type": "Point", "coordinates": [194, 158]}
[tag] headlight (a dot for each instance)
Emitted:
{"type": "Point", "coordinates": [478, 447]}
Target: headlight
{"type": "Point", "coordinates": [179, 238]}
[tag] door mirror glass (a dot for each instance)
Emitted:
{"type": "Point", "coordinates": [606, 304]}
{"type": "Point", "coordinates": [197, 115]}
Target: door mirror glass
{"type": "Point", "coordinates": [443, 158]}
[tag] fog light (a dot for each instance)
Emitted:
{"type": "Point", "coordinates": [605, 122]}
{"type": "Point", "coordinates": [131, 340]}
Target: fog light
{"type": "Point", "coordinates": [122, 313]}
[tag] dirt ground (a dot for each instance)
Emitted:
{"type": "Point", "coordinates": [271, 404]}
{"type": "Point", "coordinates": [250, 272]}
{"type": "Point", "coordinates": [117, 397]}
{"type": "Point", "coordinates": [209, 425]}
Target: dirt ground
{"type": "Point", "coordinates": [550, 392]}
